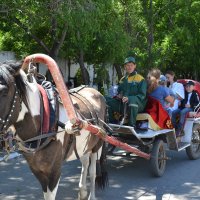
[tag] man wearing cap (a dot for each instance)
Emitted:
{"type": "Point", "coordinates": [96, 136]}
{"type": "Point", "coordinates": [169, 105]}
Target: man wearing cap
{"type": "Point", "coordinates": [131, 92]}
{"type": "Point", "coordinates": [188, 104]}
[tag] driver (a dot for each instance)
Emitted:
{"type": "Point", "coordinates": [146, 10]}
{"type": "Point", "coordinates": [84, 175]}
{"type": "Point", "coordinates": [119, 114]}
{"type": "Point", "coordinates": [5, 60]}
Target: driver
{"type": "Point", "coordinates": [131, 92]}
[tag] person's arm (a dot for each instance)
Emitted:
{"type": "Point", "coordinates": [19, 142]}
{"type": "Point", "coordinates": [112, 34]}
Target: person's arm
{"type": "Point", "coordinates": [195, 102]}
{"type": "Point", "coordinates": [169, 99]}
{"type": "Point", "coordinates": [178, 97]}
{"type": "Point", "coordinates": [179, 91]}
{"type": "Point", "coordinates": [142, 92]}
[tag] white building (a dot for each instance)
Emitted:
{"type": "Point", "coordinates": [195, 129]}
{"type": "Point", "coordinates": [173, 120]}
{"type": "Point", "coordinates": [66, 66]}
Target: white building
{"type": "Point", "coordinates": [66, 71]}
{"type": "Point", "coordinates": [7, 55]}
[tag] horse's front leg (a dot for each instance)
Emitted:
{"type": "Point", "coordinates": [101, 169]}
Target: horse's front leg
{"type": "Point", "coordinates": [47, 170]}
{"type": "Point", "coordinates": [48, 179]}
{"type": "Point", "coordinates": [82, 183]}
{"type": "Point", "coordinates": [51, 194]}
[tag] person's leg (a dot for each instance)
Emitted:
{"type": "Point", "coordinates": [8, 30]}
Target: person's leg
{"type": "Point", "coordinates": [114, 105]}
{"type": "Point", "coordinates": [133, 111]}
{"type": "Point", "coordinates": [175, 113]}
{"type": "Point", "coordinates": [183, 114]}
{"type": "Point", "coordinates": [169, 111]}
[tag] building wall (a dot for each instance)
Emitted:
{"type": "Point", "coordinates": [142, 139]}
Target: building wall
{"type": "Point", "coordinates": [63, 64]}
{"type": "Point", "coordinates": [7, 55]}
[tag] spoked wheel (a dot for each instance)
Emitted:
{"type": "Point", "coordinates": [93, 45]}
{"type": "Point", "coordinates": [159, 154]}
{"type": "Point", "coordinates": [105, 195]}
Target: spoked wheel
{"type": "Point", "coordinates": [158, 158]}
{"type": "Point", "coordinates": [193, 151]}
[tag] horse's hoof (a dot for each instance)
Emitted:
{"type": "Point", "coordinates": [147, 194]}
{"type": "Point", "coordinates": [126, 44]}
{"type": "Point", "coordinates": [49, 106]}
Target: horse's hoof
{"type": "Point", "coordinates": [82, 195]}
{"type": "Point", "coordinates": [92, 198]}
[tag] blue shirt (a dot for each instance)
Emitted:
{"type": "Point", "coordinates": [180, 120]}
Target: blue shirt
{"type": "Point", "coordinates": [160, 93]}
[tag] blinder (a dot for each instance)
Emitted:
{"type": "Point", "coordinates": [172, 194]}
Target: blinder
{"type": "Point", "coordinates": [5, 122]}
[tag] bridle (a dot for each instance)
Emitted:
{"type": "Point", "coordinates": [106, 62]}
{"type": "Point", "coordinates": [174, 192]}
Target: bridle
{"type": "Point", "coordinates": [5, 122]}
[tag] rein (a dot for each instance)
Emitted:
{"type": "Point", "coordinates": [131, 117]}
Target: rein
{"type": "Point", "coordinates": [23, 144]}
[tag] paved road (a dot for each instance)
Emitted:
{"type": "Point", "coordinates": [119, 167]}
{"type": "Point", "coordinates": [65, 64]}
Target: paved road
{"type": "Point", "coordinates": [128, 179]}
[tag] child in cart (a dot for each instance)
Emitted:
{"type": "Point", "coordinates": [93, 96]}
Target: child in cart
{"type": "Point", "coordinates": [187, 105]}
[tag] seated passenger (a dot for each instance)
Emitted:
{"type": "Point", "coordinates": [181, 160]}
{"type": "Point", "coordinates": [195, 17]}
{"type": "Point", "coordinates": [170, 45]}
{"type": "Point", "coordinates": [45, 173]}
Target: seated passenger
{"type": "Point", "coordinates": [131, 92]}
{"type": "Point", "coordinates": [188, 104]}
{"type": "Point", "coordinates": [162, 94]}
{"type": "Point", "coordinates": [177, 88]}
{"type": "Point", "coordinates": [163, 82]}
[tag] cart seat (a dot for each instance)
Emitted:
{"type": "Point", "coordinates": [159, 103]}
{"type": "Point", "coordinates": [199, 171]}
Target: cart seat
{"type": "Point", "coordinates": [144, 120]}
{"type": "Point", "coordinates": [193, 115]}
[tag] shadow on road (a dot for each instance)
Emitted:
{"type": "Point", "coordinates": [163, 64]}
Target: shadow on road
{"type": "Point", "coordinates": [129, 178]}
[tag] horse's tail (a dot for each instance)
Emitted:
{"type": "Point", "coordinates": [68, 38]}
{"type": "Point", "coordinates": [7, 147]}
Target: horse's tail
{"type": "Point", "coordinates": [101, 173]}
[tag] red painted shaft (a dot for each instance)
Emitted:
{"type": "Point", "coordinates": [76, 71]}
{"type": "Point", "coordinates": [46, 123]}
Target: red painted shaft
{"type": "Point", "coordinates": [112, 140]}
{"type": "Point", "coordinates": [58, 79]}
{"type": "Point", "coordinates": [68, 105]}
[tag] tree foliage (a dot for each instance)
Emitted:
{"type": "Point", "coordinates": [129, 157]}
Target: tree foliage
{"type": "Point", "coordinates": [159, 33]}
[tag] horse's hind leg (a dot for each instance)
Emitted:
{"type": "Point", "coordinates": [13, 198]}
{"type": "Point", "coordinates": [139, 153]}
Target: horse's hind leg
{"type": "Point", "coordinates": [82, 183]}
{"type": "Point", "coordinates": [92, 171]}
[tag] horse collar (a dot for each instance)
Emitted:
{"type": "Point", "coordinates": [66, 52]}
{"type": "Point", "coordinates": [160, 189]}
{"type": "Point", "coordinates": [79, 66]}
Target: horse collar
{"type": "Point", "coordinates": [5, 122]}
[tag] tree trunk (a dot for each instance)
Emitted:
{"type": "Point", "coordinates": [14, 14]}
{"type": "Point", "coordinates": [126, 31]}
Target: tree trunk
{"type": "Point", "coordinates": [118, 70]}
{"type": "Point", "coordinates": [85, 74]}
{"type": "Point", "coordinates": [150, 37]}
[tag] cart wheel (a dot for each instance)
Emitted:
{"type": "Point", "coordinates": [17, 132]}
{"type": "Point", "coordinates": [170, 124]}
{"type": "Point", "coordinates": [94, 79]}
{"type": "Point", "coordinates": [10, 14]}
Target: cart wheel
{"type": "Point", "coordinates": [110, 148]}
{"type": "Point", "coordinates": [158, 158]}
{"type": "Point", "coordinates": [193, 151]}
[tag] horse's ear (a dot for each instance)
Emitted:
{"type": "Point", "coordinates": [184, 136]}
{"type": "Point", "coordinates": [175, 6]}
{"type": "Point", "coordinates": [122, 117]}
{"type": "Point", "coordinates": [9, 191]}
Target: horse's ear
{"type": "Point", "coordinates": [15, 66]}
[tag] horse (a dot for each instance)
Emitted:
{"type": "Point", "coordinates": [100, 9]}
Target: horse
{"type": "Point", "coordinates": [20, 111]}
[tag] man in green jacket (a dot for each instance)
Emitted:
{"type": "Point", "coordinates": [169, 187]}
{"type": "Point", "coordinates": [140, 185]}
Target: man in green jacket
{"type": "Point", "coordinates": [131, 91]}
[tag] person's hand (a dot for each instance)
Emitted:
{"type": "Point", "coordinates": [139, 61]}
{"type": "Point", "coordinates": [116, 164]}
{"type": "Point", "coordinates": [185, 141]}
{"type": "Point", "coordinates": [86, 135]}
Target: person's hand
{"type": "Point", "coordinates": [119, 96]}
{"type": "Point", "coordinates": [124, 99]}
{"type": "Point", "coordinates": [187, 105]}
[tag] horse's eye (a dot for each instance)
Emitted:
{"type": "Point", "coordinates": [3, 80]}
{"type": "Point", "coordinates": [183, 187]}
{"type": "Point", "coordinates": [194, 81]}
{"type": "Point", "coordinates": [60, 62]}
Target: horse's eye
{"type": "Point", "coordinates": [3, 90]}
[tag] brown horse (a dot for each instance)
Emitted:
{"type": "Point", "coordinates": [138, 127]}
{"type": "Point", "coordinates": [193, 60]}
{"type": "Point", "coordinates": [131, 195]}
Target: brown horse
{"type": "Point", "coordinates": [20, 108]}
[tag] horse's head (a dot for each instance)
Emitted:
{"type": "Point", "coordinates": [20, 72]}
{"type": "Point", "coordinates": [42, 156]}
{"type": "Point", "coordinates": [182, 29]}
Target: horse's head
{"type": "Point", "coordinates": [9, 94]}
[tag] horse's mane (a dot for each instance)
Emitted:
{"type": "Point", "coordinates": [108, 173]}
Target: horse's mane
{"type": "Point", "coordinates": [20, 85]}
{"type": "Point", "coordinates": [10, 76]}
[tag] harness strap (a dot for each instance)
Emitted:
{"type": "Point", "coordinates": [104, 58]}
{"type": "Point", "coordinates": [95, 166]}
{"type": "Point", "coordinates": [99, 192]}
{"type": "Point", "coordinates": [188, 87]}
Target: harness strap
{"type": "Point", "coordinates": [43, 136]}
{"type": "Point", "coordinates": [77, 89]}
{"type": "Point", "coordinates": [46, 109]}
{"type": "Point", "coordinates": [22, 146]}
{"type": "Point", "coordinates": [71, 139]}
{"type": "Point", "coordinates": [75, 149]}
{"type": "Point", "coordinates": [88, 105]}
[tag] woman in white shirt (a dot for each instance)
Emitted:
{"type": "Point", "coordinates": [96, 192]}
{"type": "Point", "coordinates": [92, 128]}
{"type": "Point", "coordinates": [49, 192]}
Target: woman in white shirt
{"type": "Point", "coordinates": [177, 88]}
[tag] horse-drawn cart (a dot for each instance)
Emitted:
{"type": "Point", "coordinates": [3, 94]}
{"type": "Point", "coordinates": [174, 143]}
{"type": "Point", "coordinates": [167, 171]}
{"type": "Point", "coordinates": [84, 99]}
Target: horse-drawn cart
{"type": "Point", "coordinates": [155, 143]}
{"type": "Point", "coordinates": [150, 144]}
{"type": "Point", "coordinates": [20, 108]}
{"type": "Point", "coordinates": [154, 140]}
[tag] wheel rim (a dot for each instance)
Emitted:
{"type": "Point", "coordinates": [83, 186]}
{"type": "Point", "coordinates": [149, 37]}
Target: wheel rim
{"type": "Point", "coordinates": [195, 145]}
{"type": "Point", "coordinates": [161, 158]}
